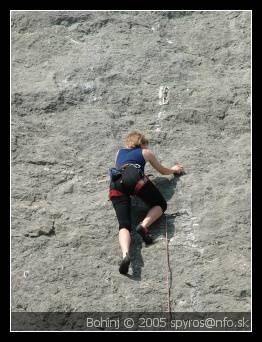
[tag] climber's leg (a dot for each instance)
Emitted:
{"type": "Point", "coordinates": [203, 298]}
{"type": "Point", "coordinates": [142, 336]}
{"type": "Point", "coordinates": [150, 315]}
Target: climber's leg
{"type": "Point", "coordinates": [122, 206]}
{"type": "Point", "coordinates": [150, 194]}
{"type": "Point", "coordinates": [124, 240]}
{"type": "Point", "coordinates": [153, 214]}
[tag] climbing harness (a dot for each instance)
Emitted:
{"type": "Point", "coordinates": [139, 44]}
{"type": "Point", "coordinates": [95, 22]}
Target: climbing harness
{"type": "Point", "coordinates": [115, 193]}
{"type": "Point", "coordinates": [131, 174]}
{"type": "Point", "coordinates": [114, 174]}
{"type": "Point", "coordinates": [129, 178]}
{"type": "Point", "coordinates": [140, 184]}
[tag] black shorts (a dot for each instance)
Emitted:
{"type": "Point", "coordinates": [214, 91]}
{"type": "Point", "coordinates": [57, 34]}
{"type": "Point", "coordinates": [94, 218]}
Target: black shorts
{"type": "Point", "coordinates": [149, 193]}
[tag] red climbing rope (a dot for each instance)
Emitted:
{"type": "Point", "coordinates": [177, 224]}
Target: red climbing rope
{"type": "Point", "coordinates": [168, 272]}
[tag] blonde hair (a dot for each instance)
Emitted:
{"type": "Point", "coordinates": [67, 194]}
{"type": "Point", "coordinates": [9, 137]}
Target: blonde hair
{"type": "Point", "coordinates": [135, 139]}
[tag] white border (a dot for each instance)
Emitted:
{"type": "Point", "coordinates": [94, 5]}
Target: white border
{"type": "Point", "coordinates": [10, 172]}
{"type": "Point", "coordinates": [251, 262]}
{"type": "Point", "coordinates": [251, 149]}
{"type": "Point", "coordinates": [124, 10]}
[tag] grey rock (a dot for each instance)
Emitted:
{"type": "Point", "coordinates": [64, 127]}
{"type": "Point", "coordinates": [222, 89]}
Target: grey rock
{"type": "Point", "coordinates": [81, 80]}
{"type": "Point", "coordinates": [244, 293]}
{"type": "Point", "coordinates": [40, 227]}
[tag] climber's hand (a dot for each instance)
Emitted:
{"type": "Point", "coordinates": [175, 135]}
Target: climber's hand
{"type": "Point", "coordinates": [178, 168]}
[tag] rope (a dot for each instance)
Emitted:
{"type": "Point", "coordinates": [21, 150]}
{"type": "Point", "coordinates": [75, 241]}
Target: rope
{"type": "Point", "coordinates": [168, 273]}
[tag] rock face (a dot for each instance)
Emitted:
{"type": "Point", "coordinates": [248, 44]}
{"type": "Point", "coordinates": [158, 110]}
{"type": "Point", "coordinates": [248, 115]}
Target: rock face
{"type": "Point", "coordinates": [80, 82]}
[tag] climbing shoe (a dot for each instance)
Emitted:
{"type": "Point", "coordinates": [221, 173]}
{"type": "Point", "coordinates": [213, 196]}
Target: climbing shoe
{"type": "Point", "coordinates": [123, 268]}
{"type": "Point", "coordinates": [144, 234]}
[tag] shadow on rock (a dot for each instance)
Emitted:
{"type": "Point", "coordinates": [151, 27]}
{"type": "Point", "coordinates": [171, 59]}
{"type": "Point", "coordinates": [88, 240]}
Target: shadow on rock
{"type": "Point", "coordinates": [166, 186]}
{"type": "Point", "coordinates": [157, 229]}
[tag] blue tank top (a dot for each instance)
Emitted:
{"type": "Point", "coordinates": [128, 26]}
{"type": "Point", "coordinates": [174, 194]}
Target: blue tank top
{"type": "Point", "coordinates": [132, 156]}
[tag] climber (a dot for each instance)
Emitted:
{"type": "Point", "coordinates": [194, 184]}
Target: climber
{"type": "Point", "coordinates": [130, 163]}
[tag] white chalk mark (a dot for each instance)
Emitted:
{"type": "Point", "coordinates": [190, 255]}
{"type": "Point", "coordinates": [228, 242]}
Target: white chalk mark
{"type": "Point", "coordinates": [74, 41]}
{"type": "Point", "coordinates": [26, 274]}
{"type": "Point", "coordinates": [163, 95]}
{"type": "Point", "coordinates": [187, 239]}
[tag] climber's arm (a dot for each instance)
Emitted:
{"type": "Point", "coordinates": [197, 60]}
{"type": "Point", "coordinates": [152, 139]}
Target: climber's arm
{"type": "Point", "coordinates": [116, 157]}
{"type": "Point", "coordinates": [150, 157]}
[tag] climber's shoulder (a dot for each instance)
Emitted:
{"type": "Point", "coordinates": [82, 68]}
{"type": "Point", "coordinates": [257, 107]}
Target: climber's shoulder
{"type": "Point", "coordinates": [148, 154]}
{"type": "Point", "coordinates": [116, 156]}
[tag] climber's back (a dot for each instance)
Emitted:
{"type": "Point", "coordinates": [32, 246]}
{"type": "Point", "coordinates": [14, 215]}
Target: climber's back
{"type": "Point", "coordinates": [130, 156]}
